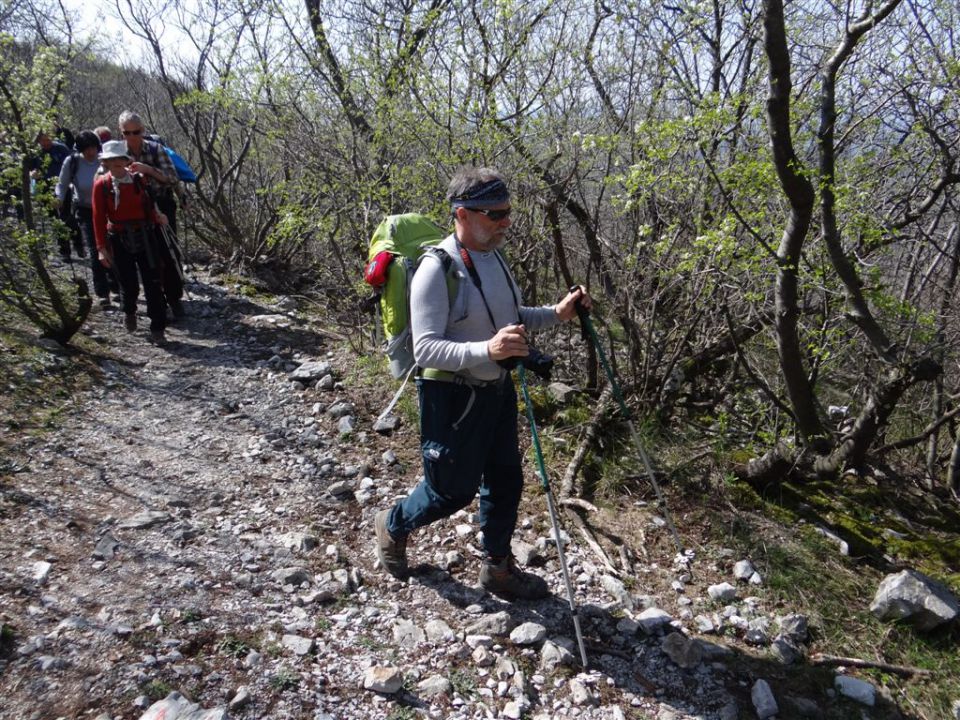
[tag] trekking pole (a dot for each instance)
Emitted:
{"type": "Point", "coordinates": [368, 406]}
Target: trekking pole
{"type": "Point", "coordinates": [589, 333]}
{"type": "Point", "coordinates": [553, 512]}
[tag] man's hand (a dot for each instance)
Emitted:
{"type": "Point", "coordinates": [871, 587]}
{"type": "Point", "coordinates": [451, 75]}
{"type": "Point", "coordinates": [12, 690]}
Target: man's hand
{"type": "Point", "coordinates": [162, 219]}
{"type": "Point", "coordinates": [566, 309]}
{"type": "Point", "coordinates": [104, 258]}
{"type": "Point", "coordinates": [510, 341]}
{"type": "Point", "coordinates": [144, 169]}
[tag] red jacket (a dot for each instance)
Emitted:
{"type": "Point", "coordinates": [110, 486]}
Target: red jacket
{"type": "Point", "coordinates": [133, 207]}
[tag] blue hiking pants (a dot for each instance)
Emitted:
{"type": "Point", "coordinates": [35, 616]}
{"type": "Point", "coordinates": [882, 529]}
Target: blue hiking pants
{"type": "Point", "coordinates": [468, 437]}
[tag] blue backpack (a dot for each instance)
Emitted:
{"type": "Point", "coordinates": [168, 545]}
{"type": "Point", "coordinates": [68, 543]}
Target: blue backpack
{"type": "Point", "coordinates": [184, 171]}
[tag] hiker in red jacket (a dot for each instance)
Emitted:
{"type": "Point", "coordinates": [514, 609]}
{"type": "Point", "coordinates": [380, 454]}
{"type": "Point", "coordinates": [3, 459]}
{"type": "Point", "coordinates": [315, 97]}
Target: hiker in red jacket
{"type": "Point", "coordinates": [125, 222]}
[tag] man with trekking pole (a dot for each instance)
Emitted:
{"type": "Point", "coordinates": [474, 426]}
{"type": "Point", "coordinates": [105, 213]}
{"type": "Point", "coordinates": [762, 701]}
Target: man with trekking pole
{"type": "Point", "coordinates": [465, 347]}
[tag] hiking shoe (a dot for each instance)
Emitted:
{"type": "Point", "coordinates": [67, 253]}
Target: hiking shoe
{"type": "Point", "coordinates": [391, 552]}
{"type": "Point", "coordinates": [505, 578]}
{"type": "Point", "coordinates": [105, 302]}
{"type": "Point", "coordinates": [157, 337]}
{"type": "Point", "coordinates": [130, 321]}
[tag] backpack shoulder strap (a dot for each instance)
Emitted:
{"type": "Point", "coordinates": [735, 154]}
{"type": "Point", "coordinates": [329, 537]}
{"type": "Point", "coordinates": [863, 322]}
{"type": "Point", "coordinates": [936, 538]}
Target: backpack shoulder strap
{"type": "Point", "coordinates": [442, 255]}
{"type": "Point", "coordinates": [446, 261]}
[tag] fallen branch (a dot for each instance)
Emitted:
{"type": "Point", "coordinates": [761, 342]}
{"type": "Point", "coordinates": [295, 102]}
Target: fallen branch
{"type": "Point", "coordinates": [593, 544]}
{"type": "Point", "coordinates": [579, 503]}
{"type": "Point", "coordinates": [821, 659]}
{"type": "Point", "coordinates": [566, 485]}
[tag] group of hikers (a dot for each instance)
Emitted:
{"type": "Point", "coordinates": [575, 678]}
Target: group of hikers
{"type": "Point", "coordinates": [118, 200]}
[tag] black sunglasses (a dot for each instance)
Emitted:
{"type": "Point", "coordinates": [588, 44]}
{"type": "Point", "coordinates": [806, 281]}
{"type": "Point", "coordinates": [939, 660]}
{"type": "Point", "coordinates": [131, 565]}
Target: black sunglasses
{"type": "Point", "coordinates": [495, 215]}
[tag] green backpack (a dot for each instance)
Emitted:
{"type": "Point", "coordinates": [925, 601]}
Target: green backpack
{"type": "Point", "coordinates": [395, 250]}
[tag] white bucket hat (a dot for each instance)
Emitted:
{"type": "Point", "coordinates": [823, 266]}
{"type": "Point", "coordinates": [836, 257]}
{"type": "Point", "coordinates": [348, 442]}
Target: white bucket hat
{"type": "Point", "coordinates": [114, 149]}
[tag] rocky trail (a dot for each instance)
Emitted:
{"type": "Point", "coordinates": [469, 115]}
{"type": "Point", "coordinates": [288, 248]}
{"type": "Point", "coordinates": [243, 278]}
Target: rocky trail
{"type": "Point", "coordinates": [200, 522]}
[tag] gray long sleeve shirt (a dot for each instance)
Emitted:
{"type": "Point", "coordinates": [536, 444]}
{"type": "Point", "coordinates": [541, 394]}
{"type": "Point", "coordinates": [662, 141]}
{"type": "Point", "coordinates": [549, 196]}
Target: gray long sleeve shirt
{"type": "Point", "coordinates": [82, 182]}
{"type": "Point", "coordinates": [454, 336]}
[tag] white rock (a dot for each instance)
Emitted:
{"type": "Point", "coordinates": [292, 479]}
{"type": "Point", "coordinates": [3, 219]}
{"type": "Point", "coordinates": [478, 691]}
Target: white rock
{"type": "Point", "coordinates": [298, 541]}
{"type": "Point", "coordinates": [916, 598]}
{"type": "Point", "coordinates": [383, 679]}
{"type": "Point", "coordinates": [145, 519]}
{"type": "Point", "coordinates": [723, 592]}
{"type": "Point", "coordinates": [407, 634]}
{"type": "Point", "coordinates": [298, 644]}
{"type": "Point", "coordinates": [240, 698]}
{"type": "Point", "coordinates": [434, 685]}
{"type": "Point", "coordinates": [704, 624]}
{"type": "Point", "coordinates": [743, 570]}
{"type": "Point", "coordinates": [439, 632]}
{"type": "Point", "coordinates": [856, 689]}
{"type": "Point", "coordinates": [581, 694]}
{"type": "Point", "coordinates": [499, 623]}
{"type": "Point", "coordinates": [475, 641]}
{"type": "Point", "coordinates": [482, 657]}
{"type": "Point", "coordinates": [795, 626]}
{"type": "Point", "coordinates": [553, 655]}
{"type": "Point", "coordinates": [528, 633]}
{"type": "Point", "coordinates": [652, 619]}
{"type": "Point", "coordinates": [763, 701]}
{"type": "Point", "coordinates": [313, 370]}
{"type": "Point", "coordinates": [617, 590]}
{"type": "Point", "coordinates": [561, 392]}
{"type": "Point", "coordinates": [41, 570]}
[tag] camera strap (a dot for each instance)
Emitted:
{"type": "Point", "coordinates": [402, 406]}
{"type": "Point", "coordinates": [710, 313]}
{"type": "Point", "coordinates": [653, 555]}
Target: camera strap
{"type": "Point", "coordinates": [475, 277]}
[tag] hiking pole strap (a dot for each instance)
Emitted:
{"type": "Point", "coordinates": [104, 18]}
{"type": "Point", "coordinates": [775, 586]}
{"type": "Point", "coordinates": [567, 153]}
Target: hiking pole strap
{"type": "Point", "coordinates": [396, 395]}
{"type": "Point", "coordinates": [553, 513]}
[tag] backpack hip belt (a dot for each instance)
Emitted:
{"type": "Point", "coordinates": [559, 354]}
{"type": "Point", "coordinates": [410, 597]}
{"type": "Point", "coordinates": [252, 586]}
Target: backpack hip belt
{"type": "Point", "coordinates": [457, 379]}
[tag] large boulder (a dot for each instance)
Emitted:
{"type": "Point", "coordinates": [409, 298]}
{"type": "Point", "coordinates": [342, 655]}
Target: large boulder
{"type": "Point", "coordinates": [915, 598]}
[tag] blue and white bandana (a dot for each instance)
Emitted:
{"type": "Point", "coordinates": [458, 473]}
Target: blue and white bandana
{"type": "Point", "coordinates": [484, 195]}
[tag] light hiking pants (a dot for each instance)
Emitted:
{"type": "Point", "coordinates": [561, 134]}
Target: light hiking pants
{"type": "Point", "coordinates": [468, 437]}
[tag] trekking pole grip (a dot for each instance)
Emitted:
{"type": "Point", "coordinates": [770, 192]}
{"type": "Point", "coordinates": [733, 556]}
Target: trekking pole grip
{"type": "Point", "coordinates": [583, 314]}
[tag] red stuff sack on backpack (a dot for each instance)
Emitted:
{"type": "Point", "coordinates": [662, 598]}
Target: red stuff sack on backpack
{"type": "Point", "coordinates": [375, 273]}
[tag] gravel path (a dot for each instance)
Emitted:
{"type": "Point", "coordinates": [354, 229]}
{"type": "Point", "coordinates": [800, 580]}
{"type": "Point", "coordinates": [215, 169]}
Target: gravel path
{"type": "Point", "coordinates": [200, 522]}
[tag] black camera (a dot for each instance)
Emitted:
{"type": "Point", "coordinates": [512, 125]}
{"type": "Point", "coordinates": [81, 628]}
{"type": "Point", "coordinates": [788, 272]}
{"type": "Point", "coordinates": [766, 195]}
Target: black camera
{"type": "Point", "coordinates": [540, 364]}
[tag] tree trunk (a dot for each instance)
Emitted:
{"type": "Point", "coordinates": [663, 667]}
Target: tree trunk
{"type": "Point", "coordinates": [800, 194]}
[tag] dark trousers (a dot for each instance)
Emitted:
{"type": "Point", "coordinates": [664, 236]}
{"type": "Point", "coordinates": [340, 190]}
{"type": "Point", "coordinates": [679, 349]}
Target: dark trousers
{"type": "Point", "coordinates": [173, 262]}
{"type": "Point", "coordinates": [103, 282]}
{"type": "Point", "coordinates": [469, 441]}
{"type": "Point", "coordinates": [146, 262]}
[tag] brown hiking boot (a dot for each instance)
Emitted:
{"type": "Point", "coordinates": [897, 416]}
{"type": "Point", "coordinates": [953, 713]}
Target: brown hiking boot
{"type": "Point", "coordinates": [505, 578]}
{"type": "Point", "coordinates": [130, 321]}
{"type": "Point", "coordinates": [391, 552]}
